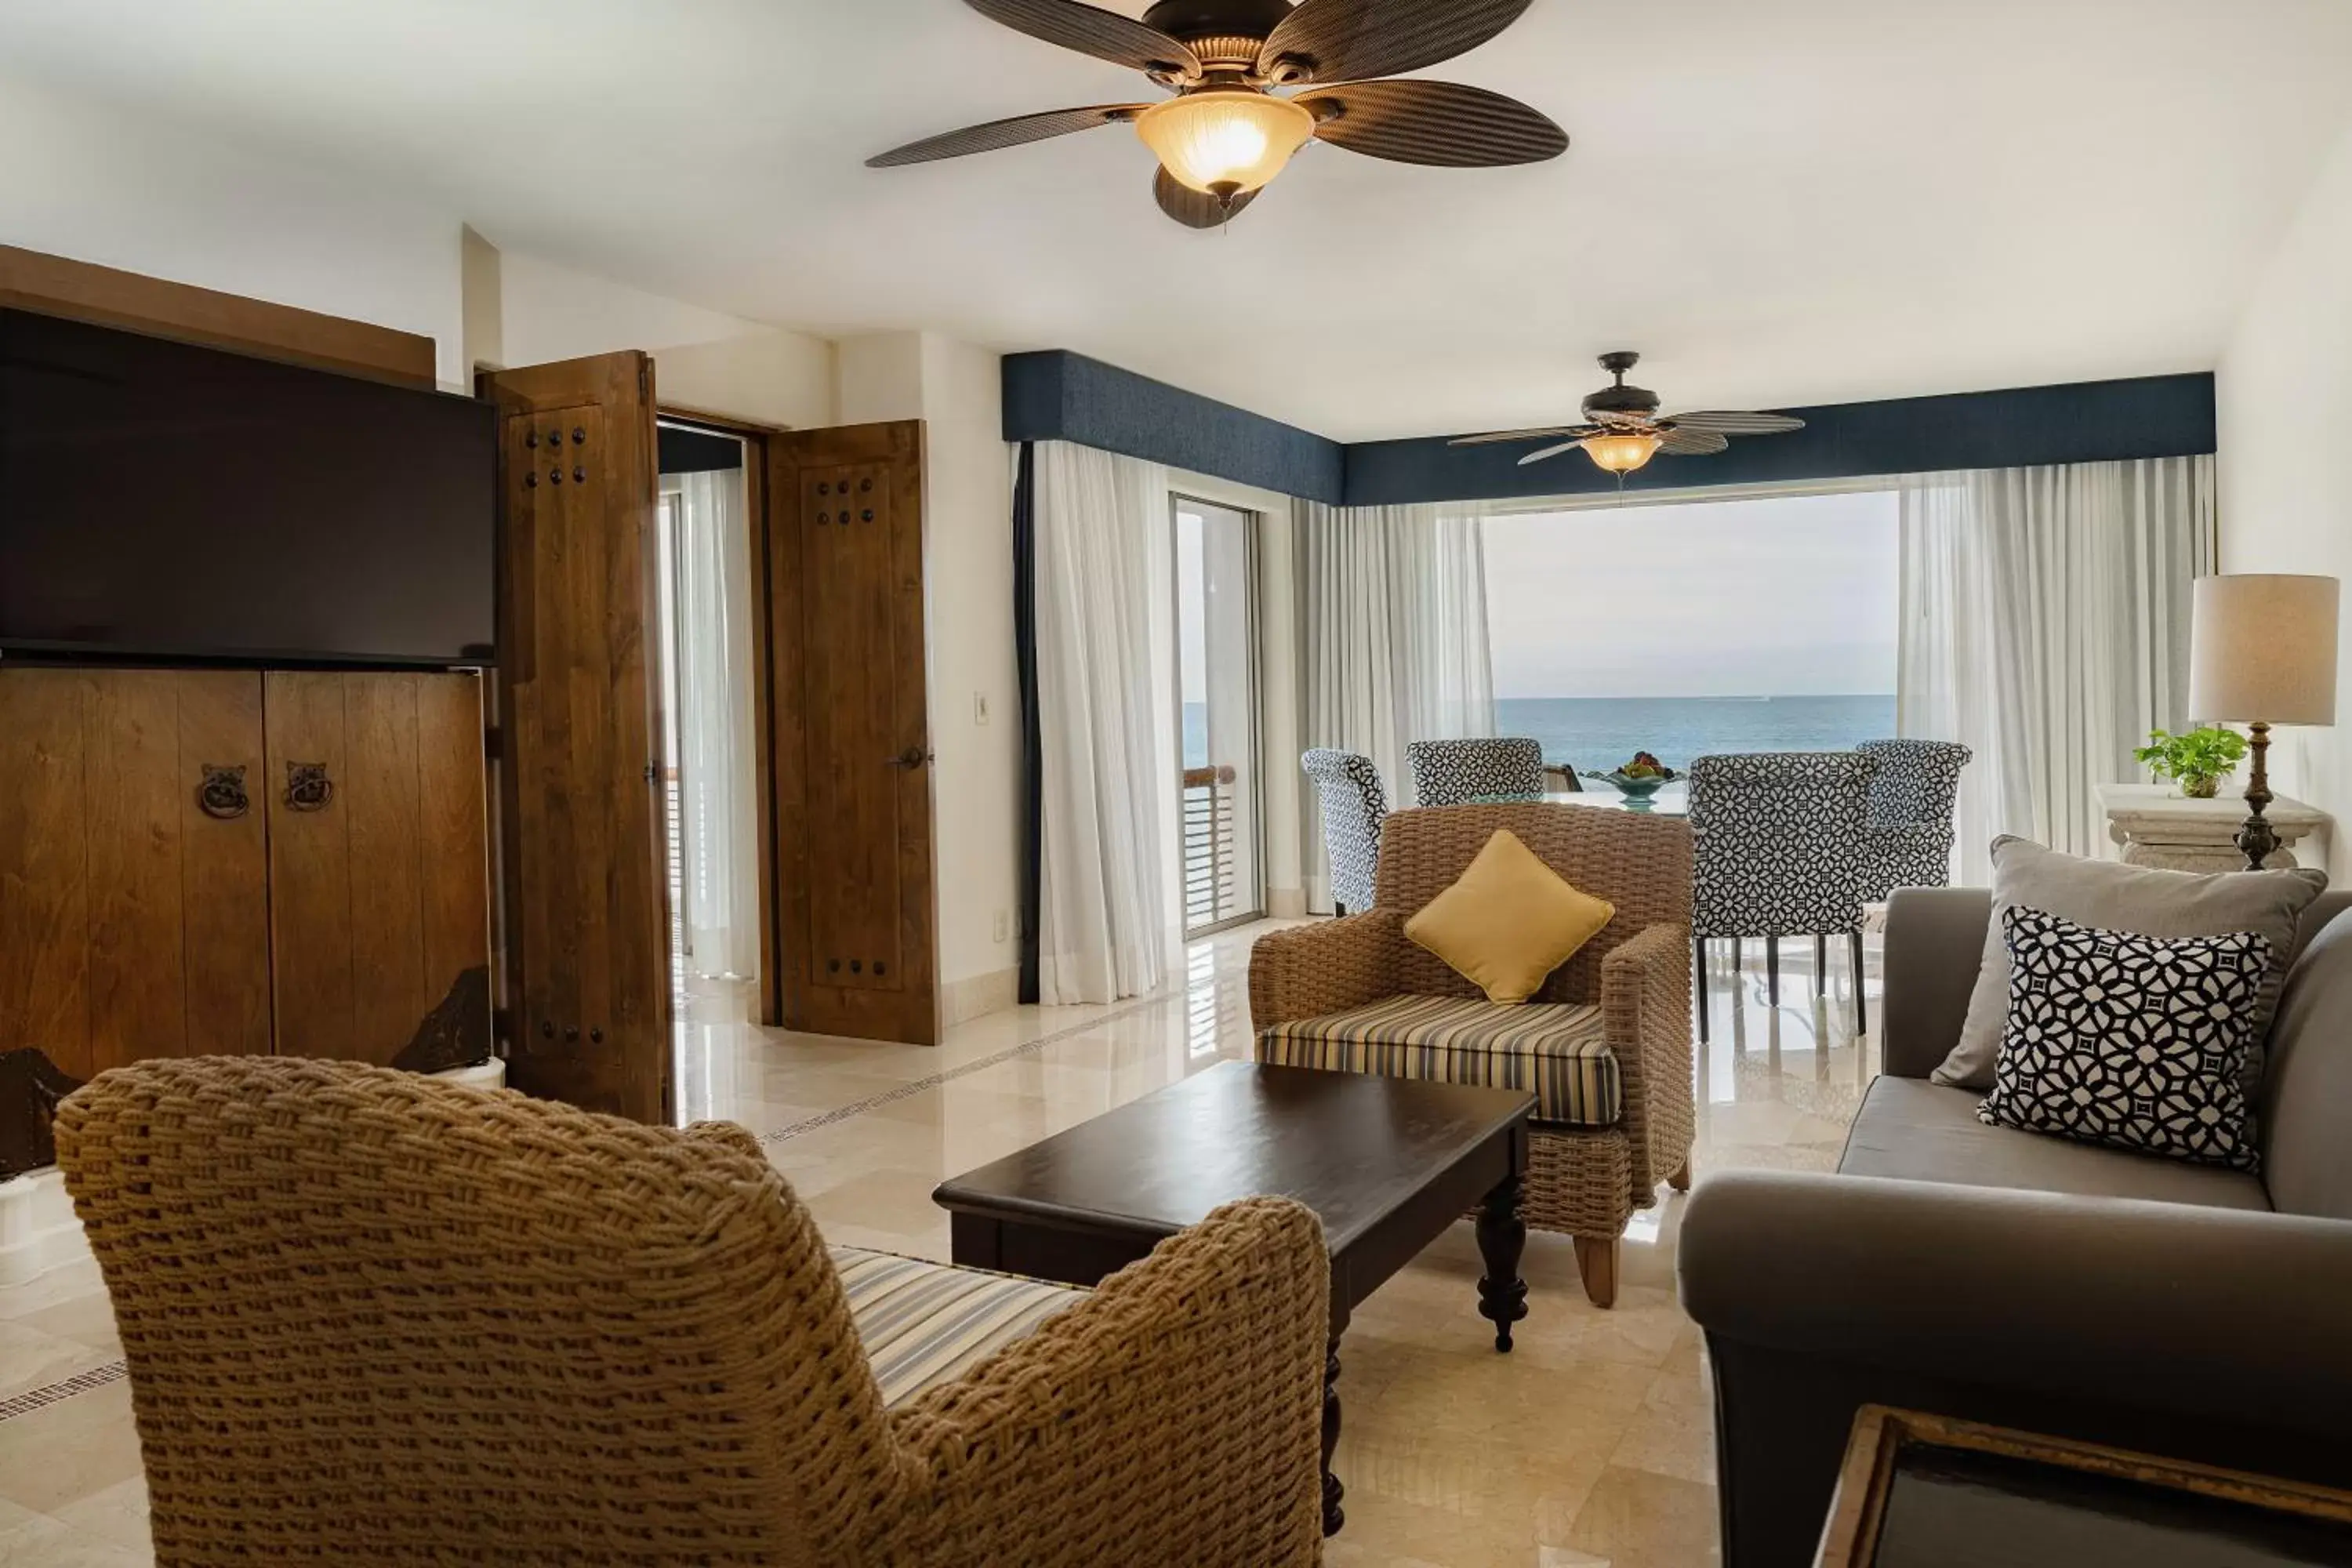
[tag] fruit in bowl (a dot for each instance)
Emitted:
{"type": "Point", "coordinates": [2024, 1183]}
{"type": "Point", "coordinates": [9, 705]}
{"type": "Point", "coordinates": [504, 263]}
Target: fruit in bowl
{"type": "Point", "coordinates": [1639, 779]}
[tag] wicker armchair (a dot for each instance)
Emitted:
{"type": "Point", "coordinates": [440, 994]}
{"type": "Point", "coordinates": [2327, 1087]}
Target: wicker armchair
{"type": "Point", "coordinates": [375, 1318]}
{"type": "Point", "coordinates": [1606, 1044]}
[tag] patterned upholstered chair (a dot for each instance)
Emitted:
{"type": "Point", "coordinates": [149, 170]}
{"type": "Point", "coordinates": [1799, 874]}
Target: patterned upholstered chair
{"type": "Point", "coordinates": [1913, 798]}
{"type": "Point", "coordinates": [1605, 1046]}
{"type": "Point", "coordinates": [1455, 772]}
{"type": "Point", "coordinates": [1348, 787]}
{"type": "Point", "coordinates": [1782, 847]}
{"type": "Point", "coordinates": [376, 1317]}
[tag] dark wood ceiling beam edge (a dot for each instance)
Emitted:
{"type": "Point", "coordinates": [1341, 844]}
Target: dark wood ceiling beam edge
{"type": "Point", "coordinates": [105, 296]}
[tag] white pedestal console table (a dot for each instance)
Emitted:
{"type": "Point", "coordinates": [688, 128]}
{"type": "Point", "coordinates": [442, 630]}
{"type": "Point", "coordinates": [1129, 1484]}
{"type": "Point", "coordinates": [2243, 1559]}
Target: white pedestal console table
{"type": "Point", "coordinates": [2157, 825]}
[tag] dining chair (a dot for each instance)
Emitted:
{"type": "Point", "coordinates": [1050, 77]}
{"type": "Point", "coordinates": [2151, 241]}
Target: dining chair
{"type": "Point", "coordinates": [1348, 788]}
{"type": "Point", "coordinates": [1913, 799]}
{"type": "Point", "coordinates": [1781, 844]}
{"type": "Point", "coordinates": [1457, 772]}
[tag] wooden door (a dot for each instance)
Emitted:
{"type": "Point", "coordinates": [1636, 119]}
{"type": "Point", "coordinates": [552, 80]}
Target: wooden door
{"type": "Point", "coordinates": [587, 917]}
{"type": "Point", "coordinates": [133, 873]}
{"type": "Point", "coordinates": [379, 868]}
{"type": "Point", "coordinates": [852, 766]}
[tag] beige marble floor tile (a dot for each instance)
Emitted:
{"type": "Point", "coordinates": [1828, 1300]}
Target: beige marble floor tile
{"type": "Point", "coordinates": [65, 1452]}
{"type": "Point", "coordinates": [1587, 1446]}
{"type": "Point", "coordinates": [1633, 1519]}
{"type": "Point", "coordinates": [117, 1514]}
{"type": "Point", "coordinates": [31, 1359]}
{"type": "Point", "coordinates": [32, 1540]}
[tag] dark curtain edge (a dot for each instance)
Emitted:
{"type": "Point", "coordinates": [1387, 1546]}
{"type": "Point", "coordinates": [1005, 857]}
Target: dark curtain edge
{"type": "Point", "coordinates": [1032, 752]}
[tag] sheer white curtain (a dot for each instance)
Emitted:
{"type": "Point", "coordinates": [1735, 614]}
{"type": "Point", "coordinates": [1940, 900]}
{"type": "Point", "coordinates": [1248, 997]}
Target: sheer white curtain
{"type": "Point", "coordinates": [1392, 641]}
{"type": "Point", "coordinates": [2045, 624]}
{"type": "Point", "coordinates": [1106, 925]}
{"type": "Point", "coordinates": [717, 827]}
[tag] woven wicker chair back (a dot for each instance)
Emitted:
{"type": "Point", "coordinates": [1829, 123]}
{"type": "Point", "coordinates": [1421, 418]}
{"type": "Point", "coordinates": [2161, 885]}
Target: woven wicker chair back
{"type": "Point", "coordinates": [431, 1323]}
{"type": "Point", "coordinates": [1641, 864]}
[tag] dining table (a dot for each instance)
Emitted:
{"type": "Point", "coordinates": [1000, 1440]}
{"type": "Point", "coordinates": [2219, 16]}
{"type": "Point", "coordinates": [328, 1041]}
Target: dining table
{"type": "Point", "coordinates": [1670, 800]}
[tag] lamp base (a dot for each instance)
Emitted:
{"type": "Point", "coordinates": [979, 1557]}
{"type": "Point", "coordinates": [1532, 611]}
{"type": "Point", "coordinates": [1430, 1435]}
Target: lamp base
{"type": "Point", "coordinates": [2258, 840]}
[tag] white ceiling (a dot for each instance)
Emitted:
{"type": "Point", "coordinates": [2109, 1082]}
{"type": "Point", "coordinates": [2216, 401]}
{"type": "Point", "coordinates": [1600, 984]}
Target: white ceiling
{"type": "Point", "coordinates": [1781, 202]}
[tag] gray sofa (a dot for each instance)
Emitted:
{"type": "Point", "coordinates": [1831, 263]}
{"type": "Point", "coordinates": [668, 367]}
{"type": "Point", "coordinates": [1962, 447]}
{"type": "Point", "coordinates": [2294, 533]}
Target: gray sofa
{"type": "Point", "coordinates": [2006, 1276]}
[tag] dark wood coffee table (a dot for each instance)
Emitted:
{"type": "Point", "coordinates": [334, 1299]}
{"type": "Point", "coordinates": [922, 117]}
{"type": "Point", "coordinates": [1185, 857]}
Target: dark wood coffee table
{"type": "Point", "coordinates": [1387, 1164]}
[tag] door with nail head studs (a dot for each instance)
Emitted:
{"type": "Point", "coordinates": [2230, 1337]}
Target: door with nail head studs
{"type": "Point", "coordinates": [582, 846]}
{"type": "Point", "coordinates": [853, 750]}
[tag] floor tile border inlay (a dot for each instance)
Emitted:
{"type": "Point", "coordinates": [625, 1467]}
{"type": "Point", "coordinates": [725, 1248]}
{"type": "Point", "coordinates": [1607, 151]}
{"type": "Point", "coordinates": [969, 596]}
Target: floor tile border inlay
{"type": "Point", "coordinates": [906, 1090]}
{"type": "Point", "coordinates": [41, 1399]}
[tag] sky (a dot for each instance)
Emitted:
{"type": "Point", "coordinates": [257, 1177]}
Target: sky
{"type": "Point", "coordinates": [1788, 597]}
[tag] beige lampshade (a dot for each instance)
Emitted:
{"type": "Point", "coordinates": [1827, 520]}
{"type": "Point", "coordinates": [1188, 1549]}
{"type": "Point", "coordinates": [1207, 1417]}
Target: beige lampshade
{"type": "Point", "coordinates": [2263, 650]}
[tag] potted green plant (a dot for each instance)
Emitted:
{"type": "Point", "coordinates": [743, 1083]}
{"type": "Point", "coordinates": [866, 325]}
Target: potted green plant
{"type": "Point", "coordinates": [2198, 762]}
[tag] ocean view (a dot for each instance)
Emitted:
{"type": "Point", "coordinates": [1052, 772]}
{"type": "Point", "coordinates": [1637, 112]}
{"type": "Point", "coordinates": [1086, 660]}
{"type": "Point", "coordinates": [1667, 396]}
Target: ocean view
{"type": "Point", "coordinates": [1598, 733]}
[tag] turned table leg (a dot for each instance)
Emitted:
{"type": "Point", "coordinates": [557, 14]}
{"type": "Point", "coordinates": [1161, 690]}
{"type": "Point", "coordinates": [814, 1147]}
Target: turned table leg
{"type": "Point", "coordinates": [1502, 1237]}
{"type": "Point", "coordinates": [1333, 1515]}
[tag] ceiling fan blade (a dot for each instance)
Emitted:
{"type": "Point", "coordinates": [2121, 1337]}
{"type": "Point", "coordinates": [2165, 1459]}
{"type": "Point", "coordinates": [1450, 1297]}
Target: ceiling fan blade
{"type": "Point", "coordinates": [1731, 421]}
{"type": "Point", "coordinates": [1435, 122]}
{"type": "Point", "coordinates": [1549, 452]}
{"type": "Point", "coordinates": [998, 134]}
{"type": "Point", "coordinates": [1090, 30]}
{"type": "Point", "coordinates": [1346, 40]}
{"type": "Point", "coordinates": [1683, 443]}
{"type": "Point", "coordinates": [1492, 437]}
{"type": "Point", "coordinates": [1193, 209]}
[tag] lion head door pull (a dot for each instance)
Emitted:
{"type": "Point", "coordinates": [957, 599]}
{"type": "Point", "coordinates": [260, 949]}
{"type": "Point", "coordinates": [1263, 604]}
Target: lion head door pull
{"type": "Point", "coordinates": [308, 788]}
{"type": "Point", "coordinates": [222, 794]}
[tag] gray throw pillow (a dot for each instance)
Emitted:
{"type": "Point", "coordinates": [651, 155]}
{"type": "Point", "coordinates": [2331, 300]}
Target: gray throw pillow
{"type": "Point", "coordinates": [2111, 896]}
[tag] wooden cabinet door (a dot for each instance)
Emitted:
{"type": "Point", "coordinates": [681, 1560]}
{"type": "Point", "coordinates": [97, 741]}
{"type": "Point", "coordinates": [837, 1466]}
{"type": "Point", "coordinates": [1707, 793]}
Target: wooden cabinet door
{"type": "Point", "coordinates": [587, 915]}
{"type": "Point", "coordinates": [852, 766]}
{"type": "Point", "coordinates": [379, 868]}
{"type": "Point", "coordinates": [133, 893]}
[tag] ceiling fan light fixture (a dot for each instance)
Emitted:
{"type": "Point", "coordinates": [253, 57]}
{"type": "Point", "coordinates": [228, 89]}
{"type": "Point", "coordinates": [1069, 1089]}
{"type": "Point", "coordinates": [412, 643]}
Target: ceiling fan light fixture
{"type": "Point", "coordinates": [1225, 143]}
{"type": "Point", "coordinates": [1621, 453]}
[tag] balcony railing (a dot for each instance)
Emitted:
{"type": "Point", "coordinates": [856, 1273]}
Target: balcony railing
{"type": "Point", "coordinates": [1215, 888]}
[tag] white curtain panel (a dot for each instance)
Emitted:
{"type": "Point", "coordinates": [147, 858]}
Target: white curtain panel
{"type": "Point", "coordinates": [718, 826]}
{"type": "Point", "coordinates": [1106, 927]}
{"type": "Point", "coordinates": [2045, 624]}
{"type": "Point", "coordinates": [1392, 643]}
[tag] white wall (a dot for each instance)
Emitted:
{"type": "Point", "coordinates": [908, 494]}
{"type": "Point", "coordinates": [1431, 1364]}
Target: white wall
{"type": "Point", "coordinates": [99, 183]}
{"type": "Point", "coordinates": [2286, 396]}
{"type": "Point", "coordinates": [704, 361]}
{"type": "Point", "coordinates": [957, 390]}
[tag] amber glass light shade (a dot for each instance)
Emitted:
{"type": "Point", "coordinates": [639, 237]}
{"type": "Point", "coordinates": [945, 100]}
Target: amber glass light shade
{"type": "Point", "coordinates": [1225, 143]}
{"type": "Point", "coordinates": [1620, 453]}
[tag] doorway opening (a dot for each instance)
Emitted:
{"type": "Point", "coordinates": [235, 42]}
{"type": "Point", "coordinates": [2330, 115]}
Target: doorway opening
{"type": "Point", "coordinates": [1217, 706]}
{"type": "Point", "coordinates": [708, 731]}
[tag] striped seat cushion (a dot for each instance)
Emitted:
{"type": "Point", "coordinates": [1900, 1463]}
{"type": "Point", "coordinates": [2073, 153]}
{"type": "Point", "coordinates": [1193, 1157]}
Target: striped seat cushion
{"type": "Point", "coordinates": [1555, 1050]}
{"type": "Point", "coordinates": [924, 1323]}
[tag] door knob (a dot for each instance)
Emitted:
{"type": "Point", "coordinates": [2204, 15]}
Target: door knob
{"type": "Point", "coordinates": [913, 757]}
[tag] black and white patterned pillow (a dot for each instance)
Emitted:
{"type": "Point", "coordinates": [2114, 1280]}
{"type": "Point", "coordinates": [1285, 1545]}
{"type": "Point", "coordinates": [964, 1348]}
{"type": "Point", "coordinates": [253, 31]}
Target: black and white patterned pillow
{"type": "Point", "coordinates": [2135, 1041]}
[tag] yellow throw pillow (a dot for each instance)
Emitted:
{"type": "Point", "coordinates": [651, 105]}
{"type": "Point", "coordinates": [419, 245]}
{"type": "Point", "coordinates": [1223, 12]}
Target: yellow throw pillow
{"type": "Point", "coordinates": [1509, 920]}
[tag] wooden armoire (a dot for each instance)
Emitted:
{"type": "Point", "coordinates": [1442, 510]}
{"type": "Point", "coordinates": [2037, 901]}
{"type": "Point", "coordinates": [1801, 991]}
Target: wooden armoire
{"type": "Point", "coordinates": [225, 861]}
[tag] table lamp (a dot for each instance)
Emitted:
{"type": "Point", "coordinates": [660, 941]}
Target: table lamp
{"type": "Point", "coordinates": [2262, 652]}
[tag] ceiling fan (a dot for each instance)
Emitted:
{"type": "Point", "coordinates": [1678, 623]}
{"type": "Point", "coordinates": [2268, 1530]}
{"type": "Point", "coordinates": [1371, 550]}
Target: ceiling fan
{"type": "Point", "coordinates": [1226, 132]}
{"type": "Point", "coordinates": [1622, 431]}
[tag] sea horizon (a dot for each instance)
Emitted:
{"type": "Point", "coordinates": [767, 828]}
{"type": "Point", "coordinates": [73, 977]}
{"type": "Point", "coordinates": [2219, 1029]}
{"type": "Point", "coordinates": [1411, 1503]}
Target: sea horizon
{"type": "Point", "coordinates": [1599, 733]}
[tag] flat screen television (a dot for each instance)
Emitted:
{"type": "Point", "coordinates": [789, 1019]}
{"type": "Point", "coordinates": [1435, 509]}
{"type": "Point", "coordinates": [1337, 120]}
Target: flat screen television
{"type": "Point", "coordinates": [160, 499]}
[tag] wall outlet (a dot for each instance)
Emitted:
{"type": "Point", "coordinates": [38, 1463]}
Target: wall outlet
{"type": "Point", "coordinates": [1003, 927]}
{"type": "Point", "coordinates": [980, 714]}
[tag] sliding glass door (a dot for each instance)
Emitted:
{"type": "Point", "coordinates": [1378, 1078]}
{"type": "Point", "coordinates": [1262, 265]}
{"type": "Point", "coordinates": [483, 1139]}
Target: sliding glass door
{"type": "Point", "coordinates": [1216, 620]}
